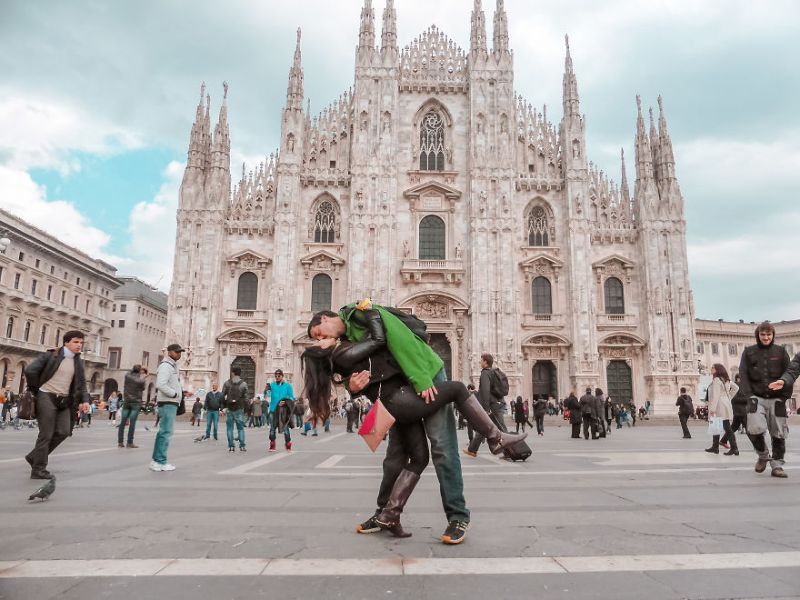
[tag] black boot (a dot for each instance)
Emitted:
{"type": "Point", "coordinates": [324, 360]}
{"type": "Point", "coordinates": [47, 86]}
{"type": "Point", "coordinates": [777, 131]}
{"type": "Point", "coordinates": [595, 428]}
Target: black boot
{"type": "Point", "coordinates": [483, 424]}
{"type": "Point", "coordinates": [389, 517]}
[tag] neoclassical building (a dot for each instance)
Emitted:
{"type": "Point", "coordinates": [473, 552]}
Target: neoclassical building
{"type": "Point", "coordinates": [432, 184]}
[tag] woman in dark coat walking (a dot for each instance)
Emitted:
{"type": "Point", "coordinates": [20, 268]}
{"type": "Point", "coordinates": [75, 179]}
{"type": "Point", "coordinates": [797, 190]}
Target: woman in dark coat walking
{"type": "Point", "coordinates": [539, 410]}
{"type": "Point", "coordinates": [519, 413]}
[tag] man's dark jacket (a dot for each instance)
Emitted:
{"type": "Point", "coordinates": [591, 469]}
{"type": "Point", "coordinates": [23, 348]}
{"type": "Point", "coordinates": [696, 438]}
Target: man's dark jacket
{"type": "Point", "coordinates": [760, 366]}
{"type": "Point", "coordinates": [587, 404]}
{"type": "Point", "coordinates": [213, 401]}
{"type": "Point", "coordinates": [133, 388]}
{"type": "Point", "coordinates": [44, 366]}
{"type": "Point", "coordinates": [684, 404]}
{"type": "Point", "coordinates": [574, 408]}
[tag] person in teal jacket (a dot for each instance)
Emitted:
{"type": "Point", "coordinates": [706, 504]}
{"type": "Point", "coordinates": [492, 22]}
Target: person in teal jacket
{"type": "Point", "coordinates": [281, 407]}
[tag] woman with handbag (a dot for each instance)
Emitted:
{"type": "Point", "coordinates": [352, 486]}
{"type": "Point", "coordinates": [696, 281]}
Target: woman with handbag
{"type": "Point", "coordinates": [327, 359]}
{"type": "Point", "coordinates": [720, 393]}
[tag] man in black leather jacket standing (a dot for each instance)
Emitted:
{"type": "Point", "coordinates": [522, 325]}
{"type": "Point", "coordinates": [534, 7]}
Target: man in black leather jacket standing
{"type": "Point", "coordinates": [57, 379]}
{"type": "Point", "coordinates": [761, 368]}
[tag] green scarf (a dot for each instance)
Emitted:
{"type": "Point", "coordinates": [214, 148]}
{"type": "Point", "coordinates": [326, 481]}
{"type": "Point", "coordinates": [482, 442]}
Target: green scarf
{"type": "Point", "coordinates": [418, 361]}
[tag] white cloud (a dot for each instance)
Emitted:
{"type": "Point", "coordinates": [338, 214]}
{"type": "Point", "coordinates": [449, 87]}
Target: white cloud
{"type": "Point", "coordinates": [20, 195]}
{"type": "Point", "coordinates": [151, 229]}
{"type": "Point", "coordinates": [44, 134]}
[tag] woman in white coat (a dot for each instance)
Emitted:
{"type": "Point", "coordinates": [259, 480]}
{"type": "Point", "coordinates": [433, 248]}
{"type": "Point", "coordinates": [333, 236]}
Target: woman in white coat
{"type": "Point", "coordinates": [720, 393]}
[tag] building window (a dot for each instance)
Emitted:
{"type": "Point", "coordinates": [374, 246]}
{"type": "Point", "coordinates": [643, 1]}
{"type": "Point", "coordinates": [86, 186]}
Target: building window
{"type": "Point", "coordinates": [58, 337]}
{"type": "Point", "coordinates": [43, 337]}
{"type": "Point", "coordinates": [146, 360]}
{"type": "Point", "coordinates": [88, 304]}
{"type": "Point", "coordinates": [10, 327]}
{"type": "Point", "coordinates": [66, 276]}
{"type": "Point", "coordinates": [34, 283]}
{"type": "Point", "coordinates": [431, 238]}
{"type": "Point", "coordinates": [541, 292]}
{"type": "Point", "coordinates": [325, 223]}
{"type": "Point", "coordinates": [247, 294]}
{"type": "Point", "coordinates": [21, 256]}
{"type": "Point", "coordinates": [75, 302]}
{"type": "Point", "coordinates": [121, 324]}
{"type": "Point", "coordinates": [114, 358]}
{"type": "Point", "coordinates": [52, 269]}
{"type": "Point", "coordinates": [321, 287]}
{"type": "Point", "coordinates": [63, 297]}
{"type": "Point", "coordinates": [431, 142]}
{"type": "Point", "coordinates": [123, 307]}
{"type": "Point", "coordinates": [89, 286]}
{"type": "Point", "coordinates": [77, 281]}
{"type": "Point", "coordinates": [700, 348]}
{"type": "Point", "coordinates": [615, 297]}
{"type": "Point", "coordinates": [732, 349]}
{"type": "Point", "coordinates": [49, 291]}
{"type": "Point", "coordinates": [113, 308]}
{"type": "Point", "coordinates": [714, 348]}
{"type": "Point", "coordinates": [537, 227]}
{"type": "Point", "coordinates": [112, 322]}
{"type": "Point", "coordinates": [17, 278]}
{"type": "Point", "coordinates": [38, 262]}
{"type": "Point", "coordinates": [26, 333]}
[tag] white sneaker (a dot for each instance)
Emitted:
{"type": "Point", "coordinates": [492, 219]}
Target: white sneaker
{"type": "Point", "coordinates": [167, 467]}
{"type": "Point", "coordinates": [154, 466]}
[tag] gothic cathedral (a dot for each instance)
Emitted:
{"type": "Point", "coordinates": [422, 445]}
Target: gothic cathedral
{"type": "Point", "coordinates": [433, 186]}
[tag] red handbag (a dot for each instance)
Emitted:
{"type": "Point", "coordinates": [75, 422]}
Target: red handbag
{"type": "Point", "coordinates": [377, 423]}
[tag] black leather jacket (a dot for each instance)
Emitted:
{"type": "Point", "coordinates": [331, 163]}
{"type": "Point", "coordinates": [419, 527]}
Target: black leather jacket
{"type": "Point", "coordinates": [371, 354]}
{"type": "Point", "coordinates": [44, 366]}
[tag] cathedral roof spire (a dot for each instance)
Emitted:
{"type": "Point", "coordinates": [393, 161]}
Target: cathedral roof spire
{"type": "Point", "coordinates": [198, 139]}
{"type": "Point", "coordinates": [500, 28]}
{"type": "Point", "coordinates": [366, 33]}
{"type": "Point", "coordinates": [389, 31]}
{"type": "Point", "coordinates": [221, 144]}
{"type": "Point", "coordinates": [570, 94]}
{"type": "Point", "coordinates": [667, 156]}
{"type": "Point", "coordinates": [477, 39]}
{"type": "Point", "coordinates": [624, 190]}
{"type": "Point", "coordinates": [644, 156]}
{"type": "Point", "coordinates": [294, 91]}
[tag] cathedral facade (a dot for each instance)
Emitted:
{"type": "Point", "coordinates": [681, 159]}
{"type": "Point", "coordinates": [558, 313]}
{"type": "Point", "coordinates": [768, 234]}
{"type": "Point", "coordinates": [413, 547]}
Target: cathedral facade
{"type": "Point", "coordinates": [432, 185]}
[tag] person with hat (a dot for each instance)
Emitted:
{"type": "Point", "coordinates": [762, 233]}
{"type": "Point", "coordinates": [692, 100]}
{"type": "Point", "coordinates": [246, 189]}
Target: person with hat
{"type": "Point", "coordinates": [281, 408]}
{"type": "Point", "coordinates": [169, 393]}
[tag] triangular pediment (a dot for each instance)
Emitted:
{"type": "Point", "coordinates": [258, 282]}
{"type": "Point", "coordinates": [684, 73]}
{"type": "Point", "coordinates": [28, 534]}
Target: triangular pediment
{"type": "Point", "coordinates": [309, 259]}
{"type": "Point", "coordinates": [249, 256]}
{"type": "Point", "coordinates": [612, 258]}
{"type": "Point", "coordinates": [433, 188]}
{"type": "Point", "coordinates": [242, 335]}
{"type": "Point", "coordinates": [542, 258]}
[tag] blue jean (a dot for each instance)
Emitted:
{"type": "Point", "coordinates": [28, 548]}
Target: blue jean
{"type": "Point", "coordinates": [273, 430]}
{"type": "Point", "coordinates": [130, 412]}
{"type": "Point", "coordinates": [212, 416]}
{"type": "Point", "coordinates": [166, 415]}
{"type": "Point", "coordinates": [238, 417]}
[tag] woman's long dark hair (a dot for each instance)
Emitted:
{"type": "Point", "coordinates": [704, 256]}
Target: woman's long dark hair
{"type": "Point", "coordinates": [721, 372]}
{"type": "Point", "coordinates": [317, 368]}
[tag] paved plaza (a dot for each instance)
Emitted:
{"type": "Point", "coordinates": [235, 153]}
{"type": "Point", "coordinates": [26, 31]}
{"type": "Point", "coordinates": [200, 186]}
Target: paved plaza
{"type": "Point", "coordinates": [643, 514]}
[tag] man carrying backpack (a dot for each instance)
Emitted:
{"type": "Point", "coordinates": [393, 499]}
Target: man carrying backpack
{"type": "Point", "coordinates": [492, 388]}
{"type": "Point", "coordinates": [685, 410]}
{"type": "Point", "coordinates": [235, 397]}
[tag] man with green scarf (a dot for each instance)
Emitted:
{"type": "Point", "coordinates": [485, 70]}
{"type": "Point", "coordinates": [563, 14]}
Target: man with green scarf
{"type": "Point", "coordinates": [423, 368]}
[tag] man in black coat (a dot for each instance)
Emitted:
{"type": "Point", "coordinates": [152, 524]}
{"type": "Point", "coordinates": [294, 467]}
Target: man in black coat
{"type": "Point", "coordinates": [685, 410]}
{"type": "Point", "coordinates": [574, 408]}
{"type": "Point", "coordinates": [761, 369]}
{"type": "Point", "coordinates": [587, 403]}
{"type": "Point", "coordinates": [57, 379]}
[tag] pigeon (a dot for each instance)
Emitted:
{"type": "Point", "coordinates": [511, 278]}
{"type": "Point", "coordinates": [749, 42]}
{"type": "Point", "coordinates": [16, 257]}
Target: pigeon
{"type": "Point", "coordinates": [44, 492]}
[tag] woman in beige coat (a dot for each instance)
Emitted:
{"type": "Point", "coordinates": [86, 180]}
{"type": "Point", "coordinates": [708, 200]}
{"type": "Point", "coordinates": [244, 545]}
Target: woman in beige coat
{"type": "Point", "coordinates": [720, 393]}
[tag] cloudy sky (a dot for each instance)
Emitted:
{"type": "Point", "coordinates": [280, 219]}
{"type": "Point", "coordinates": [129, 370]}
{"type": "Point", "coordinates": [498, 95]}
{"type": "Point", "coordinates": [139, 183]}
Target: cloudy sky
{"type": "Point", "coordinates": [97, 100]}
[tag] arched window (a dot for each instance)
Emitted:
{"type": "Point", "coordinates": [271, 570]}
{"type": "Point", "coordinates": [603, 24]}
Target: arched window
{"type": "Point", "coordinates": [27, 331]}
{"type": "Point", "coordinates": [431, 142]}
{"type": "Point", "coordinates": [247, 296]}
{"type": "Point", "coordinates": [431, 238]}
{"type": "Point", "coordinates": [324, 223]}
{"type": "Point", "coordinates": [615, 297]}
{"type": "Point", "coordinates": [542, 296]}
{"type": "Point", "coordinates": [10, 327]}
{"type": "Point", "coordinates": [537, 227]}
{"type": "Point", "coordinates": [321, 293]}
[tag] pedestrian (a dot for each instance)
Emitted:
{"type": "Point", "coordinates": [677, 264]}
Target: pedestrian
{"type": "Point", "coordinates": [600, 412]}
{"type": "Point", "coordinates": [720, 393]}
{"type": "Point", "coordinates": [212, 405]}
{"type": "Point", "coordinates": [235, 396]}
{"type": "Point", "coordinates": [685, 410]}
{"type": "Point", "coordinates": [739, 405]}
{"type": "Point", "coordinates": [632, 409]}
{"type": "Point", "coordinates": [471, 432]}
{"type": "Point", "coordinates": [255, 411]}
{"type": "Point", "coordinates": [492, 403]}
{"type": "Point", "coordinates": [350, 410]}
{"type": "Point", "coordinates": [132, 390]}
{"type": "Point", "coordinates": [762, 369]}
{"type": "Point", "coordinates": [587, 414]}
{"type": "Point", "coordinates": [113, 405]}
{"type": "Point", "coordinates": [56, 377]}
{"type": "Point", "coordinates": [197, 408]}
{"type": "Point", "coordinates": [169, 393]}
{"type": "Point", "coordinates": [281, 411]}
{"type": "Point", "coordinates": [518, 408]}
{"type": "Point", "coordinates": [609, 413]}
{"type": "Point", "coordinates": [299, 410]}
{"type": "Point", "coordinates": [539, 410]}
{"type": "Point", "coordinates": [573, 406]}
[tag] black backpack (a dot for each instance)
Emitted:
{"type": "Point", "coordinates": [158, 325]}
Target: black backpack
{"type": "Point", "coordinates": [499, 387]}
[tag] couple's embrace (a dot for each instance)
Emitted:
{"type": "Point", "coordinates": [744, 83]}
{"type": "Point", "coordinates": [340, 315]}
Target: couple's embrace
{"type": "Point", "coordinates": [381, 353]}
